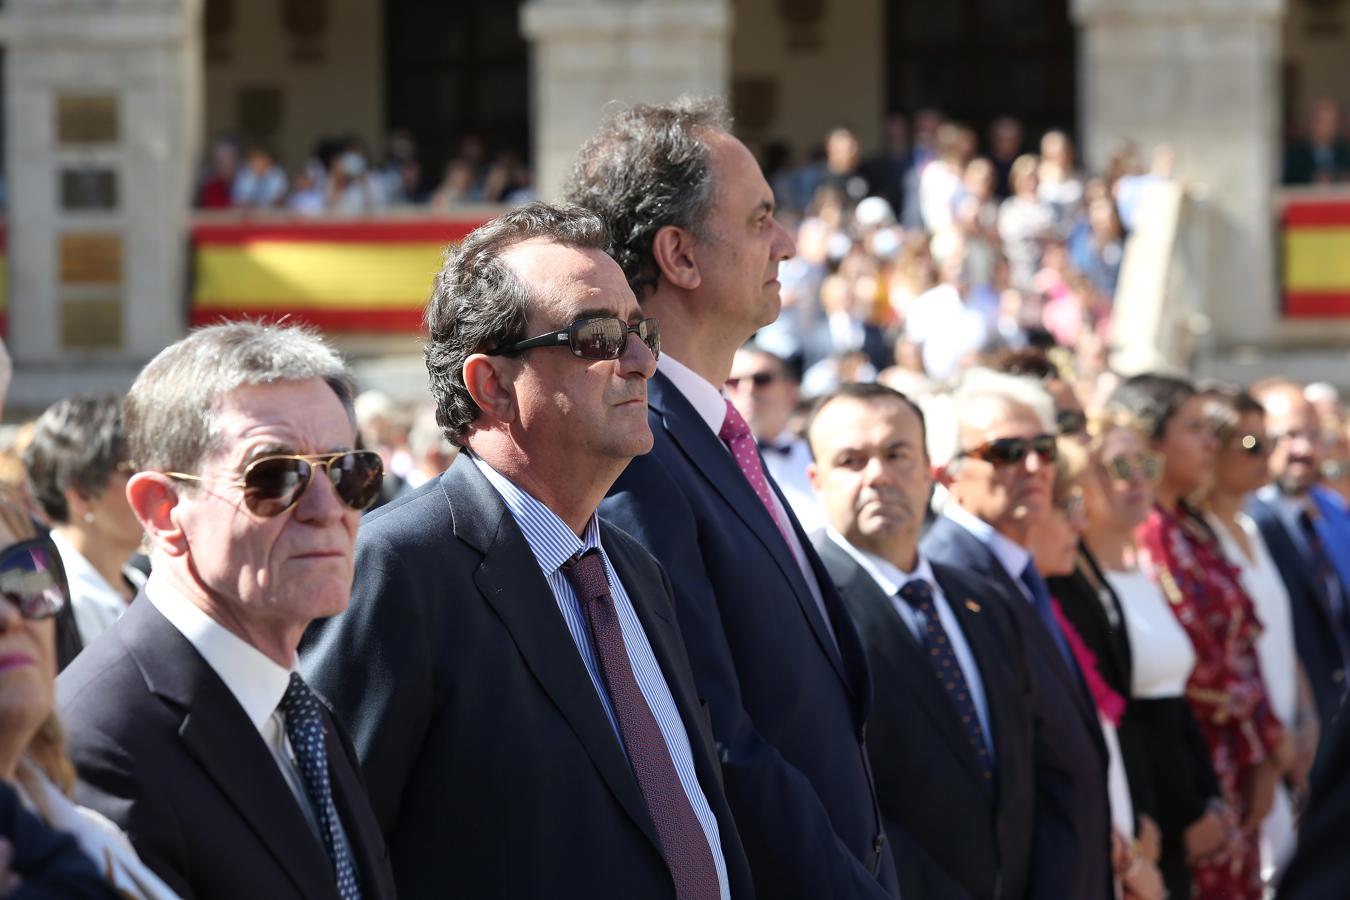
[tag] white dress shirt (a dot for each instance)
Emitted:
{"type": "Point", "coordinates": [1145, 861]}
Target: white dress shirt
{"type": "Point", "coordinates": [711, 406]}
{"type": "Point", "coordinates": [891, 579]}
{"type": "Point", "coordinates": [255, 681]}
{"type": "Point", "coordinates": [94, 603]}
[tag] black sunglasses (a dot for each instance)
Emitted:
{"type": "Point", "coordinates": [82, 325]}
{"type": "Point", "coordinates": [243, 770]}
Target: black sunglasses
{"type": "Point", "coordinates": [602, 337]}
{"type": "Point", "coordinates": [33, 579]}
{"type": "Point", "coordinates": [1070, 421]}
{"type": "Point", "coordinates": [1011, 451]}
{"type": "Point", "coordinates": [1144, 467]}
{"type": "Point", "coordinates": [274, 484]}
{"type": "Point", "coordinates": [759, 379]}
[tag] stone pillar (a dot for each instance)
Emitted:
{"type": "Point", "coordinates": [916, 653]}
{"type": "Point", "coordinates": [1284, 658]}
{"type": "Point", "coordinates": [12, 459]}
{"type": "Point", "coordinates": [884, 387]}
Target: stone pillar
{"type": "Point", "coordinates": [102, 122]}
{"type": "Point", "coordinates": [587, 53]}
{"type": "Point", "coordinates": [1202, 76]}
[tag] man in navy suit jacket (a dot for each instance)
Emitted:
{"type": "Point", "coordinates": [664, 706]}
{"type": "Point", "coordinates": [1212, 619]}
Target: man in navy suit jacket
{"type": "Point", "coordinates": [523, 735]}
{"type": "Point", "coordinates": [773, 652]}
{"type": "Point", "coordinates": [1000, 481]}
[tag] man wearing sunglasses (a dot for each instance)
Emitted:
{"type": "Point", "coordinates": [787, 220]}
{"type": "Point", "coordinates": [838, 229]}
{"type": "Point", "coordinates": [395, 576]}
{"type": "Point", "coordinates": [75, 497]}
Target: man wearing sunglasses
{"type": "Point", "coordinates": [773, 651]}
{"type": "Point", "coordinates": [190, 726]}
{"type": "Point", "coordinates": [1000, 480]}
{"type": "Point", "coordinates": [522, 702]}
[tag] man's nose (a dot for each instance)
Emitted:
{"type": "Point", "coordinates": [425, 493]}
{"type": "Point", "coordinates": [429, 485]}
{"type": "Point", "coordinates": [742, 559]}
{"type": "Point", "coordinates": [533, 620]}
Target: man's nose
{"type": "Point", "coordinates": [637, 358]}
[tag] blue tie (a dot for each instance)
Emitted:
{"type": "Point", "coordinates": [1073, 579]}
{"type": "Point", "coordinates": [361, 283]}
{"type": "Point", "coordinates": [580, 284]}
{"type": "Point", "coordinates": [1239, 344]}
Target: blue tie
{"type": "Point", "coordinates": [304, 727]}
{"type": "Point", "coordinates": [1040, 600]}
{"type": "Point", "coordinates": [919, 595]}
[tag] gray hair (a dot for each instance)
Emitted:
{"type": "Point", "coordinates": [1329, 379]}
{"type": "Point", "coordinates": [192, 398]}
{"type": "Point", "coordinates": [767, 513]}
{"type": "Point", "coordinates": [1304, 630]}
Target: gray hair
{"type": "Point", "coordinates": [478, 304]}
{"type": "Point", "coordinates": [170, 412]}
{"type": "Point", "coordinates": [979, 385]}
{"type": "Point", "coordinates": [649, 167]}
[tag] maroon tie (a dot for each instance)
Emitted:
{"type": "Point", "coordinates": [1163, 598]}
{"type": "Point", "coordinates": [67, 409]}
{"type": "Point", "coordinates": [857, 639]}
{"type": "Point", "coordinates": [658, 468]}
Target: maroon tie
{"type": "Point", "coordinates": [736, 435]}
{"type": "Point", "coordinates": [682, 837]}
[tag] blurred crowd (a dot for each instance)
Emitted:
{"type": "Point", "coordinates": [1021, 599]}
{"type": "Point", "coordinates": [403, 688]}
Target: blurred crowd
{"type": "Point", "coordinates": [342, 177]}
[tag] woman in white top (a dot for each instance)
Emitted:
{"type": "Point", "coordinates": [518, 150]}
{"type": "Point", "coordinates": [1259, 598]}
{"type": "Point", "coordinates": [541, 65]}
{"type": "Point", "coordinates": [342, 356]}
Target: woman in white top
{"type": "Point", "coordinates": [32, 755]}
{"type": "Point", "coordinates": [1182, 793]}
{"type": "Point", "coordinates": [76, 472]}
{"type": "Point", "coordinates": [1241, 467]}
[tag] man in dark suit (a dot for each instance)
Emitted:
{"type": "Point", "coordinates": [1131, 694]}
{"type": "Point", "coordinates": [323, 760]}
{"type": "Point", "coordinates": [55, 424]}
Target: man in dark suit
{"type": "Point", "coordinates": [773, 652]}
{"type": "Point", "coordinates": [999, 481]}
{"type": "Point", "coordinates": [1320, 869]}
{"type": "Point", "coordinates": [522, 701]}
{"type": "Point", "coordinates": [1290, 522]}
{"type": "Point", "coordinates": [189, 726]}
{"type": "Point", "coordinates": [950, 733]}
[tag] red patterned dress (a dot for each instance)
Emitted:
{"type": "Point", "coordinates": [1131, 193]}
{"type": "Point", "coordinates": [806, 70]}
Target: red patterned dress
{"type": "Point", "coordinates": [1225, 690]}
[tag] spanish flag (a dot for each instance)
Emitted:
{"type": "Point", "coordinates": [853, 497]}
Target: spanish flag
{"type": "Point", "coordinates": [1316, 256]}
{"type": "Point", "coordinates": [368, 275]}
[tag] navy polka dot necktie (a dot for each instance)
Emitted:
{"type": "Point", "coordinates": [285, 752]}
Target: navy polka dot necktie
{"type": "Point", "coordinates": [304, 727]}
{"type": "Point", "coordinates": [919, 595]}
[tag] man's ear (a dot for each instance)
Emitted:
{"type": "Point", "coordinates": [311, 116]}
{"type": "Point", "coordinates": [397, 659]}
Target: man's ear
{"type": "Point", "coordinates": [673, 251]}
{"type": "Point", "coordinates": [489, 380]}
{"type": "Point", "coordinates": [813, 473]}
{"type": "Point", "coordinates": [945, 473]}
{"type": "Point", "coordinates": [153, 497]}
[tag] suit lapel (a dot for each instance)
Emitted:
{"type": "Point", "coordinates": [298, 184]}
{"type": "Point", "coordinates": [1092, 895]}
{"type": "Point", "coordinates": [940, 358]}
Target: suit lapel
{"type": "Point", "coordinates": [219, 735]}
{"type": "Point", "coordinates": [510, 580]}
{"type": "Point", "coordinates": [904, 651]}
{"type": "Point", "coordinates": [709, 456]}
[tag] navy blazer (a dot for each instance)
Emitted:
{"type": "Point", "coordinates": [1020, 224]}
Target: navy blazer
{"type": "Point", "coordinates": [164, 750]}
{"type": "Point", "coordinates": [788, 700]}
{"type": "Point", "coordinates": [1072, 849]}
{"type": "Point", "coordinates": [1314, 630]}
{"type": "Point", "coordinates": [932, 793]}
{"type": "Point", "coordinates": [494, 770]}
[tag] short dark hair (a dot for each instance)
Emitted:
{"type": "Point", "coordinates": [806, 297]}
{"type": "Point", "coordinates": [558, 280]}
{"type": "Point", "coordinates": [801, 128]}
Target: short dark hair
{"type": "Point", "coordinates": [866, 392]}
{"type": "Point", "coordinates": [77, 445]}
{"type": "Point", "coordinates": [1152, 398]}
{"type": "Point", "coordinates": [1224, 405]}
{"type": "Point", "coordinates": [648, 167]}
{"type": "Point", "coordinates": [478, 304]}
{"type": "Point", "coordinates": [1028, 361]}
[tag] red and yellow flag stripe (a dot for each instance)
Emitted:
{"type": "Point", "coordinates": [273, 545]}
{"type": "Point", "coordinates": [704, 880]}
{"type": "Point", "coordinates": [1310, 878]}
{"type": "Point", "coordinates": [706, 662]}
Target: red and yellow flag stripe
{"type": "Point", "coordinates": [369, 275]}
{"type": "Point", "coordinates": [1316, 257]}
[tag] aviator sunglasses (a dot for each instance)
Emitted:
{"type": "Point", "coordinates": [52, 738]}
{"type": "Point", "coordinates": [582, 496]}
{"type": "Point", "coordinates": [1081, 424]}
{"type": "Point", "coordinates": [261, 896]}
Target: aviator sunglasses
{"type": "Point", "coordinates": [1011, 451]}
{"type": "Point", "coordinates": [599, 337]}
{"type": "Point", "coordinates": [33, 579]}
{"type": "Point", "coordinates": [273, 484]}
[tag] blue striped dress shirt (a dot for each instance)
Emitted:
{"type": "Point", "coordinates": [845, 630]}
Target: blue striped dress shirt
{"type": "Point", "coordinates": [553, 544]}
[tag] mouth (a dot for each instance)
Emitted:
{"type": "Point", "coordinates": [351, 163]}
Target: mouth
{"type": "Point", "coordinates": [15, 660]}
{"type": "Point", "coordinates": [320, 554]}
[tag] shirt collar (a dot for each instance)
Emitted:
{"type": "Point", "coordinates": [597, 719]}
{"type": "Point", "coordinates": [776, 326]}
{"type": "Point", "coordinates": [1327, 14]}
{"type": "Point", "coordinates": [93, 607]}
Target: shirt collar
{"type": "Point", "coordinates": [886, 574]}
{"type": "Point", "coordinates": [551, 541]}
{"type": "Point", "coordinates": [256, 682]}
{"type": "Point", "coordinates": [706, 398]}
{"type": "Point", "coordinates": [1010, 554]}
{"type": "Point", "coordinates": [85, 581]}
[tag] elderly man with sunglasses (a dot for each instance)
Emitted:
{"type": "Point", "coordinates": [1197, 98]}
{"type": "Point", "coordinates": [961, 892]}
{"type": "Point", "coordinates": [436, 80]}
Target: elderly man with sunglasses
{"type": "Point", "coordinates": [1000, 480]}
{"type": "Point", "coordinates": [190, 726]}
{"type": "Point", "coordinates": [522, 702]}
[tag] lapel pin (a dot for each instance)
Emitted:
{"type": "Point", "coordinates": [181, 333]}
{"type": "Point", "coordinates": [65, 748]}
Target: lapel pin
{"type": "Point", "coordinates": [972, 605]}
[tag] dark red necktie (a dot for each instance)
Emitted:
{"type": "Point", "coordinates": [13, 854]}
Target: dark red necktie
{"type": "Point", "coordinates": [735, 433]}
{"type": "Point", "coordinates": [682, 837]}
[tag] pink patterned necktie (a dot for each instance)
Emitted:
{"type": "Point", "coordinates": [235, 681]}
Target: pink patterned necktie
{"type": "Point", "coordinates": [736, 435]}
{"type": "Point", "coordinates": [683, 840]}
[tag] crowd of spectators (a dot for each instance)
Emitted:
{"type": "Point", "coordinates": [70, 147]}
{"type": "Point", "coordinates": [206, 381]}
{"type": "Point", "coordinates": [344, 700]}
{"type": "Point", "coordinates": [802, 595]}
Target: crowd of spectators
{"type": "Point", "coordinates": [342, 177]}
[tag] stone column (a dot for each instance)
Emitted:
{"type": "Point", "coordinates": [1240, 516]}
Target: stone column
{"type": "Point", "coordinates": [102, 122]}
{"type": "Point", "coordinates": [1202, 76]}
{"type": "Point", "coordinates": [587, 53]}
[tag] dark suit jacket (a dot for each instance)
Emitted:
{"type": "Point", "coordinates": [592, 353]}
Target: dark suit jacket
{"type": "Point", "coordinates": [49, 862]}
{"type": "Point", "coordinates": [1072, 848]}
{"type": "Point", "coordinates": [493, 768]}
{"type": "Point", "coordinates": [164, 750]}
{"type": "Point", "coordinates": [928, 781]}
{"type": "Point", "coordinates": [1320, 869]}
{"type": "Point", "coordinates": [1314, 629]}
{"type": "Point", "coordinates": [788, 706]}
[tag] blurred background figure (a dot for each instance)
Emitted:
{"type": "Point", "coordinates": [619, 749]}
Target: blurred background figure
{"type": "Point", "coordinates": [1321, 155]}
{"type": "Point", "coordinates": [261, 183]}
{"type": "Point", "coordinates": [77, 473]}
{"type": "Point", "coordinates": [431, 453]}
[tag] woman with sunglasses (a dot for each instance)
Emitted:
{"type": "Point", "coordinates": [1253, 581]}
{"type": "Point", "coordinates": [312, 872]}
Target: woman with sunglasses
{"type": "Point", "coordinates": [32, 748]}
{"type": "Point", "coordinates": [1248, 746]}
{"type": "Point", "coordinates": [1238, 423]}
{"type": "Point", "coordinates": [1171, 777]}
{"type": "Point", "coordinates": [1054, 544]}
